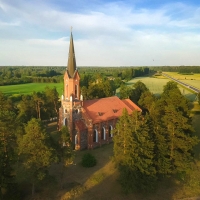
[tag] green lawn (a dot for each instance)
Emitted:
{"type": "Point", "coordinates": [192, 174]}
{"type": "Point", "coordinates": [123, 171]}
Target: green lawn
{"type": "Point", "coordinates": [29, 88]}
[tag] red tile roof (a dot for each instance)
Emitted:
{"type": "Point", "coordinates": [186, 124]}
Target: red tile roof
{"type": "Point", "coordinates": [131, 105]}
{"type": "Point", "coordinates": [107, 108]}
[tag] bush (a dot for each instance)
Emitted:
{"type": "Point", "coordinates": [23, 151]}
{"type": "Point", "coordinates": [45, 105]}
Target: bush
{"type": "Point", "coordinates": [88, 160]}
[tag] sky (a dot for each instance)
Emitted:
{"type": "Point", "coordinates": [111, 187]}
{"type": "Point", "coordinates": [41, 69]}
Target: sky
{"type": "Point", "coordinates": [105, 32]}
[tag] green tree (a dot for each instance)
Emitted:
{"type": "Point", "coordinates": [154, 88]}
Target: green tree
{"type": "Point", "coordinates": [52, 101]}
{"type": "Point", "coordinates": [39, 100]}
{"type": "Point", "coordinates": [172, 132]}
{"type": "Point", "coordinates": [8, 129]}
{"type": "Point", "coordinates": [146, 100]}
{"type": "Point", "coordinates": [35, 152]}
{"type": "Point", "coordinates": [65, 151]}
{"type": "Point", "coordinates": [179, 138]}
{"type": "Point", "coordinates": [26, 109]}
{"type": "Point", "coordinates": [136, 93]}
{"type": "Point", "coordinates": [171, 85]}
{"type": "Point", "coordinates": [133, 152]}
{"type": "Point", "coordinates": [124, 91]}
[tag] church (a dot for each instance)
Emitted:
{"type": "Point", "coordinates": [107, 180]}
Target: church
{"type": "Point", "coordinates": [90, 122]}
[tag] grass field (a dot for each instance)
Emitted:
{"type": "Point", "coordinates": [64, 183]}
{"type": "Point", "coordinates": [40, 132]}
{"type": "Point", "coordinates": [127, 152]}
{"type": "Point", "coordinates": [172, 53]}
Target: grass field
{"type": "Point", "coordinates": [183, 76]}
{"type": "Point", "coordinates": [29, 88]}
{"type": "Point", "coordinates": [156, 85]}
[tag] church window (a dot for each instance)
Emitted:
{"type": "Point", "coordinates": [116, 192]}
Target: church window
{"type": "Point", "coordinates": [76, 139]}
{"type": "Point", "coordinates": [110, 131]}
{"type": "Point", "coordinates": [65, 122]}
{"type": "Point", "coordinates": [66, 95]}
{"type": "Point", "coordinates": [95, 136]}
{"type": "Point", "coordinates": [103, 133]}
{"type": "Point", "coordinates": [76, 91]}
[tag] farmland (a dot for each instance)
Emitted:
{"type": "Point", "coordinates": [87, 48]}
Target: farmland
{"type": "Point", "coordinates": [155, 85]}
{"type": "Point", "coordinates": [29, 88]}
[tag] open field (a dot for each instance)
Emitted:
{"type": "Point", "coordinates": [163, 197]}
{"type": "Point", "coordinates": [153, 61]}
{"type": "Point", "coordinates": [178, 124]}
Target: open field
{"type": "Point", "coordinates": [29, 88]}
{"type": "Point", "coordinates": [156, 85]}
{"type": "Point", "coordinates": [183, 76]}
{"type": "Point", "coordinates": [193, 79]}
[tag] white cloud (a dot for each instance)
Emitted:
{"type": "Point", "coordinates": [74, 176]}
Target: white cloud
{"type": "Point", "coordinates": [111, 34]}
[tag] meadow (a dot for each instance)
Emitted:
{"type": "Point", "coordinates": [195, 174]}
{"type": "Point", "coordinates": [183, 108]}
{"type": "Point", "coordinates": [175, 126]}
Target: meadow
{"type": "Point", "coordinates": [184, 76]}
{"type": "Point", "coordinates": [29, 88]}
{"type": "Point", "coordinates": [155, 85]}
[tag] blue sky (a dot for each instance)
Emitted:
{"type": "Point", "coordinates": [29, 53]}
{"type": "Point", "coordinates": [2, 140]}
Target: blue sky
{"type": "Point", "coordinates": [106, 33]}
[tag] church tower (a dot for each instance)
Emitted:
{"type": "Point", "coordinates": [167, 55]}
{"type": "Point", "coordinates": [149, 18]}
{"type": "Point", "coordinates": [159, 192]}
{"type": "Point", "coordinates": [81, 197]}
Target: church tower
{"type": "Point", "coordinates": [71, 77]}
{"type": "Point", "coordinates": [71, 102]}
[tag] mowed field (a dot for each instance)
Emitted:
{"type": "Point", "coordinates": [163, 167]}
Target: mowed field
{"type": "Point", "coordinates": [193, 79]}
{"type": "Point", "coordinates": [29, 88]}
{"type": "Point", "coordinates": [155, 85]}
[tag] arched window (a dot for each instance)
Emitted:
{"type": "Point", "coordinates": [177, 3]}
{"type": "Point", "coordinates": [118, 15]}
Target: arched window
{"type": "Point", "coordinates": [65, 122]}
{"type": "Point", "coordinates": [76, 139]}
{"type": "Point", "coordinates": [95, 136]}
{"type": "Point", "coordinates": [66, 95]}
{"type": "Point", "coordinates": [110, 131]}
{"type": "Point", "coordinates": [76, 91]}
{"type": "Point", "coordinates": [103, 133]}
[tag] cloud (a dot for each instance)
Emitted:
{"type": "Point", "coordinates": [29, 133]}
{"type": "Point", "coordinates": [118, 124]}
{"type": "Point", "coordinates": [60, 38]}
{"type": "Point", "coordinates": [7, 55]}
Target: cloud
{"type": "Point", "coordinates": [115, 33]}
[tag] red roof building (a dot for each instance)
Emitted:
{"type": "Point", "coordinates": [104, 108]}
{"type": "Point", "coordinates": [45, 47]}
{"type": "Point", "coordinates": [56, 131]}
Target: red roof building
{"type": "Point", "coordinates": [90, 122]}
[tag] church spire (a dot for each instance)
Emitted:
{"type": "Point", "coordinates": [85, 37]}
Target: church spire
{"type": "Point", "coordinates": [71, 59]}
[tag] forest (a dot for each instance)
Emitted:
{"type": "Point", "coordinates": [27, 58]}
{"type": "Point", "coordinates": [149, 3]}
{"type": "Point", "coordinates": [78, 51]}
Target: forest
{"type": "Point", "coordinates": [148, 147]}
{"type": "Point", "coordinates": [21, 75]}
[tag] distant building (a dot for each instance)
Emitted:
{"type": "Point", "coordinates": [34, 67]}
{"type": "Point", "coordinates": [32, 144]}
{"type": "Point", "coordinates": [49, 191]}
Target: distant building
{"type": "Point", "coordinates": [90, 122]}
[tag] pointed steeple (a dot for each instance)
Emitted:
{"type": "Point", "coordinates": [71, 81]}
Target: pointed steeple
{"type": "Point", "coordinates": [71, 59]}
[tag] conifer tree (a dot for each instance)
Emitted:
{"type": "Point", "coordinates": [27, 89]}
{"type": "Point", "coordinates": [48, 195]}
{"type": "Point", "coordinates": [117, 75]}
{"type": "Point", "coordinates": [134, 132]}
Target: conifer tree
{"type": "Point", "coordinates": [35, 153]}
{"type": "Point", "coordinates": [179, 139]}
{"type": "Point", "coordinates": [8, 129]}
{"type": "Point", "coordinates": [133, 152]}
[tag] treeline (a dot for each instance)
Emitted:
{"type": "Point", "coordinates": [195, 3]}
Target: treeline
{"type": "Point", "coordinates": [27, 150]}
{"type": "Point", "coordinates": [22, 75]}
{"type": "Point", "coordinates": [96, 86]}
{"type": "Point", "coordinates": [157, 144]}
{"type": "Point", "coordinates": [125, 73]}
{"type": "Point", "coordinates": [179, 69]}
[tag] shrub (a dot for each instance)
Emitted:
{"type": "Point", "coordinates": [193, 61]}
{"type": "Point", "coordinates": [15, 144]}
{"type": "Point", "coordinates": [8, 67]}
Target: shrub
{"type": "Point", "coordinates": [88, 160]}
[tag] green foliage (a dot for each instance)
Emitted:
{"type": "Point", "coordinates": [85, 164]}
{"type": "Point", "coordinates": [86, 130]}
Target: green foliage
{"type": "Point", "coordinates": [100, 88]}
{"type": "Point", "coordinates": [134, 152]}
{"type": "Point", "coordinates": [88, 160]}
{"type": "Point", "coordinates": [66, 155]}
{"type": "Point", "coordinates": [35, 153]}
{"type": "Point", "coordinates": [8, 130]}
{"type": "Point", "coordinates": [139, 88]}
{"type": "Point", "coordinates": [159, 144]}
{"type": "Point", "coordinates": [125, 91]}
